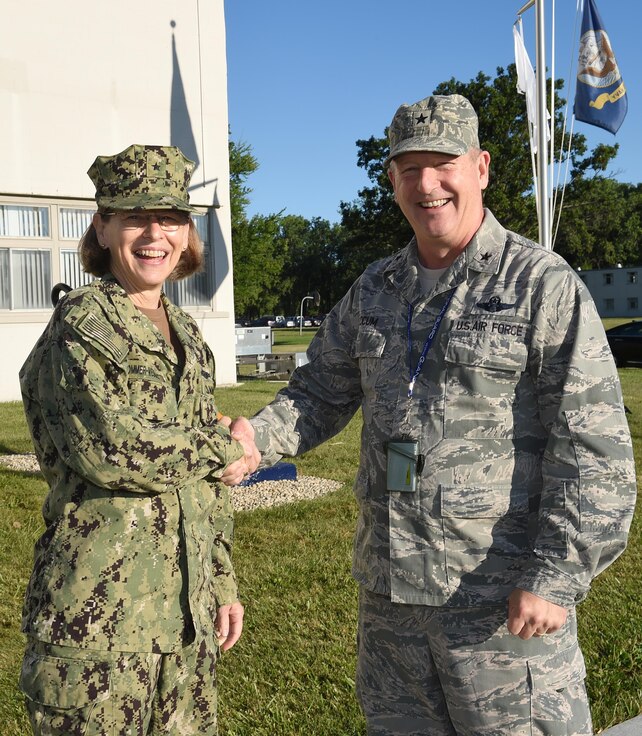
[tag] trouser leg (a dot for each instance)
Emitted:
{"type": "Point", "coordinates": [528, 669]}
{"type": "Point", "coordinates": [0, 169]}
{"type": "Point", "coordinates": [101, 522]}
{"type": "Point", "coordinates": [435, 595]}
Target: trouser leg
{"type": "Point", "coordinates": [504, 686]}
{"type": "Point", "coordinates": [397, 682]}
{"type": "Point", "coordinates": [79, 692]}
{"type": "Point", "coordinates": [428, 670]}
{"type": "Point", "coordinates": [76, 692]}
{"type": "Point", "coordinates": [186, 697]}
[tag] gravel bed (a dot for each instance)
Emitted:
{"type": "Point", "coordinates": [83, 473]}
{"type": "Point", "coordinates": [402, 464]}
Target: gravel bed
{"type": "Point", "coordinates": [245, 498]}
{"type": "Point", "coordinates": [26, 463]}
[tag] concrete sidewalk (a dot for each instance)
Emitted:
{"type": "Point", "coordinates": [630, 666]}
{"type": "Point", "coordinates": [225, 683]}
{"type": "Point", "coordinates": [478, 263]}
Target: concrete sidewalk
{"type": "Point", "coordinates": [628, 728]}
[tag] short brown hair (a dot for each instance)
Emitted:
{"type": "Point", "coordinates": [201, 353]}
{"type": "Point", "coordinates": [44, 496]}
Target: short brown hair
{"type": "Point", "coordinates": [96, 260]}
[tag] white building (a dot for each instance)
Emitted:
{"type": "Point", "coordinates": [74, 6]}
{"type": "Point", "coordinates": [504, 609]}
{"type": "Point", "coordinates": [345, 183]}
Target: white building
{"type": "Point", "coordinates": [78, 80]}
{"type": "Point", "coordinates": [617, 292]}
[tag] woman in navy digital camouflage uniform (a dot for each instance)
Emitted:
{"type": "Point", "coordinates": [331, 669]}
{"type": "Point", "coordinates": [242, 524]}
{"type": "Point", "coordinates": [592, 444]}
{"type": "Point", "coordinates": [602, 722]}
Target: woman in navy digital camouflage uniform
{"type": "Point", "coordinates": [133, 589]}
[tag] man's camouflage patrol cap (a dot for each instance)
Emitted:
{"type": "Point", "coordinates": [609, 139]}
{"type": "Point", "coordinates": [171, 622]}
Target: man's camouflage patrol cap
{"type": "Point", "coordinates": [440, 123]}
{"type": "Point", "coordinates": [143, 178]}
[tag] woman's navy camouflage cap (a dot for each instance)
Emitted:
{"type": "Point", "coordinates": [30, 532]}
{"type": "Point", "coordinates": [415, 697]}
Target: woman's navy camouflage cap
{"type": "Point", "coordinates": [143, 178]}
{"type": "Point", "coordinates": [440, 123]}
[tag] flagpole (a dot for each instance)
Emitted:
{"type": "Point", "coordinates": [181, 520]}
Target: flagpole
{"type": "Point", "coordinates": [542, 143]}
{"type": "Point", "coordinates": [543, 214]}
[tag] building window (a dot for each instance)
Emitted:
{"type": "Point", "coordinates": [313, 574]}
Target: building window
{"type": "Point", "coordinates": [609, 305]}
{"type": "Point", "coordinates": [26, 278]}
{"type": "Point", "coordinates": [608, 279]}
{"type": "Point", "coordinates": [5, 279]}
{"type": "Point", "coordinates": [194, 291]}
{"type": "Point", "coordinates": [632, 303]}
{"type": "Point", "coordinates": [71, 272]}
{"type": "Point", "coordinates": [24, 221]}
{"type": "Point", "coordinates": [73, 222]}
{"type": "Point", "coordinates": [38, 248]}
{"type": "Point", "coordinates": [197, 290]}
{"type": "Point", "coordinates": [201, 222]}
{"type": "Point", "coordinates": [632, 277]}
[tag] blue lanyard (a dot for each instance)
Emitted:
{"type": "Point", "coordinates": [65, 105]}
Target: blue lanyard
{"type": "Point", "coordinates": [427, 344]}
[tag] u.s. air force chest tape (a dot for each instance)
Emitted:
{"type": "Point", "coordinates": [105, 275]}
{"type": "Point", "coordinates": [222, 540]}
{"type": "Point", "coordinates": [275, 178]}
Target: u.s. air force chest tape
{"type": "Point", "coordinates": [404, 465]}
{"type": "Point", "coordinates": [490, 326]}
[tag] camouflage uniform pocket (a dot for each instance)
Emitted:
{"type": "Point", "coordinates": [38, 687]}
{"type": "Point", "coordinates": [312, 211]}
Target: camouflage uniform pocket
{"type": "Point", "coordinates": [558, 696]}
{"type": "Point", "coordinates": [368, 350]}
{"type": "Point", "coordinates": [540, 695]}
{"type": "Point", "coordinates": [482, 375]}
{"type": "Point", "coordinates": [207, 410]}
{"type": "Point", "coordinates": [604, 466]}
{"type": "Point", "coordinates": [485, 532]}
{"type": "Point", "coordinates": [63, 684]}
{"type": "Point", "coordinates": [154, 400]}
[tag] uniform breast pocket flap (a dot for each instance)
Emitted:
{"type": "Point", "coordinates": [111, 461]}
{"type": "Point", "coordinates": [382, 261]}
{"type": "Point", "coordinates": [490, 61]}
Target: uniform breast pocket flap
{"type": "Point", "coordinates": [154, 399]}
{"type": "Point", "coordinates": [489, 352]}
{"type": "Point", "coordinates": [482, 502]}
{"type": "Point", "coordinates": [369, 344]}
{"type": "Point", "coordinates": [482, 375]}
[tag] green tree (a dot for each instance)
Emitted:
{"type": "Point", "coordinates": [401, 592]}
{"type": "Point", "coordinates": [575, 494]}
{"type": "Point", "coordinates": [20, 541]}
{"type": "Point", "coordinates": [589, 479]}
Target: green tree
{"type": "Point", "coordinates": [312, 263]}
{"type": "Point", "coordinates": [372, 224]}
{"type": "Point", "coordinates": [258, 251]}
{"type": "Point", "coordinates": [242, 164]}
{"type": "Point", "coordinates": [600, 224]}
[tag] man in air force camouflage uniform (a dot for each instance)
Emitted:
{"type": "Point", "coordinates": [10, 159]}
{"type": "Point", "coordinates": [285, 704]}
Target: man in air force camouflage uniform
{"type": "Point", "coordinates": [482, 354]}
{"type": "Point", "coordinates": [134, 566]}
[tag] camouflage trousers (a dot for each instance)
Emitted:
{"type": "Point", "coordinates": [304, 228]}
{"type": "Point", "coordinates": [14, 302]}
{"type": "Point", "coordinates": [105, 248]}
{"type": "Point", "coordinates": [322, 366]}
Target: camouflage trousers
{"type": "Point", "coordinates": [78, 692]}
{"type": "Point", "coordinates": [431, 671]}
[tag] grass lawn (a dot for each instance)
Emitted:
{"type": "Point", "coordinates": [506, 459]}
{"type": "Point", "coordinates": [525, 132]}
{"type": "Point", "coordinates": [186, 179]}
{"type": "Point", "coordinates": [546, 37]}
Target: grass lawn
{"type": "Point", "coordinates": [609, 322]}
{"type": "Point", "coordinates": [293, 671]}
{"type": "Point", "coordinates": [288, 340]}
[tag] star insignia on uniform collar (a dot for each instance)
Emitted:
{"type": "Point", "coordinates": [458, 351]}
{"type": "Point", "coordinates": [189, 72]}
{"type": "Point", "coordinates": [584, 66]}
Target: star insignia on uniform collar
{"type": "Point", "coordinates": [486, 256]}
{"type": "Point", "coordinates": [421, 119]}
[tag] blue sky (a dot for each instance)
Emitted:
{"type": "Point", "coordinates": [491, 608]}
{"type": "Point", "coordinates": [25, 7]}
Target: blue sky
{"type": "Point", "coordinates": [307, 79]}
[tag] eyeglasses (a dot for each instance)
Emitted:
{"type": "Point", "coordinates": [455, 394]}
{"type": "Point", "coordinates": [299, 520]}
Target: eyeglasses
{"type": "Point", "coordinates": [169, 222]}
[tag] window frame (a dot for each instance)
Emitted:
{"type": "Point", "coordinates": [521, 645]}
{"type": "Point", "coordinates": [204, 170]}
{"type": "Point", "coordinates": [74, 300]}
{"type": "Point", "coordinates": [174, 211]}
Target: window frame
{"type": "Point", "coordinates": [59, 246]}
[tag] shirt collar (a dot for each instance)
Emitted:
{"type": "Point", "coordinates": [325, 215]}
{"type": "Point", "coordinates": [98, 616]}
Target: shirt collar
{"type": "Point", "coordinates": [482, 255]}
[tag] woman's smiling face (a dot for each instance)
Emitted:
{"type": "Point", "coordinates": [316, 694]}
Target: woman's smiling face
{"type": "Point", "coordinates": [144, 247]}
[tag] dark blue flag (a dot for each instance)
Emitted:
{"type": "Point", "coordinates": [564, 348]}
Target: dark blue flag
{"type": "Point", "coordinates": [600, 97]}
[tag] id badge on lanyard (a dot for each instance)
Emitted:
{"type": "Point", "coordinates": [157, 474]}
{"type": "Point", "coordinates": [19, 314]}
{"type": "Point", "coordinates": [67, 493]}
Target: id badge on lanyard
{"type": "Point", "coordinates": [404, 462]}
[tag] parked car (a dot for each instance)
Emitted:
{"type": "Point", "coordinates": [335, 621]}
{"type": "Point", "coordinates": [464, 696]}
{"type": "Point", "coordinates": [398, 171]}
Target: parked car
{"type": "Point", "coordinates": [264, 321]}
{"type": "Point", "coordinates": [290, 322]}
{"type": "Point", "coordinates": [625, 342]}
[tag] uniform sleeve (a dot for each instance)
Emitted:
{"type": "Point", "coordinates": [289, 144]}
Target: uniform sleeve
{"type": "Point", "coordinates": [222, 523]}
{"type": "Point", "coordinates": [322, 396]}
{"type": "Point", "coordinates": [225, 583]}
{"type": "Point", "coordinates": [110, 441]}
{"type": "Point", "coordinates": [588, 471]}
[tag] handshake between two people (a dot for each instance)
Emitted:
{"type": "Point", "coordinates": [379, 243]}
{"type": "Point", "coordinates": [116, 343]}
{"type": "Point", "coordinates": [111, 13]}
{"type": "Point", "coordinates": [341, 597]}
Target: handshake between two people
{"type": "Point", "coordinates": [243, 432]}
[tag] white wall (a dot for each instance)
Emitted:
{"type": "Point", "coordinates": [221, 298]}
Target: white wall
{"type": "Point", "coordinates": [81, 79]}
{"type": "Point", "coordinates": [17, 339]}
